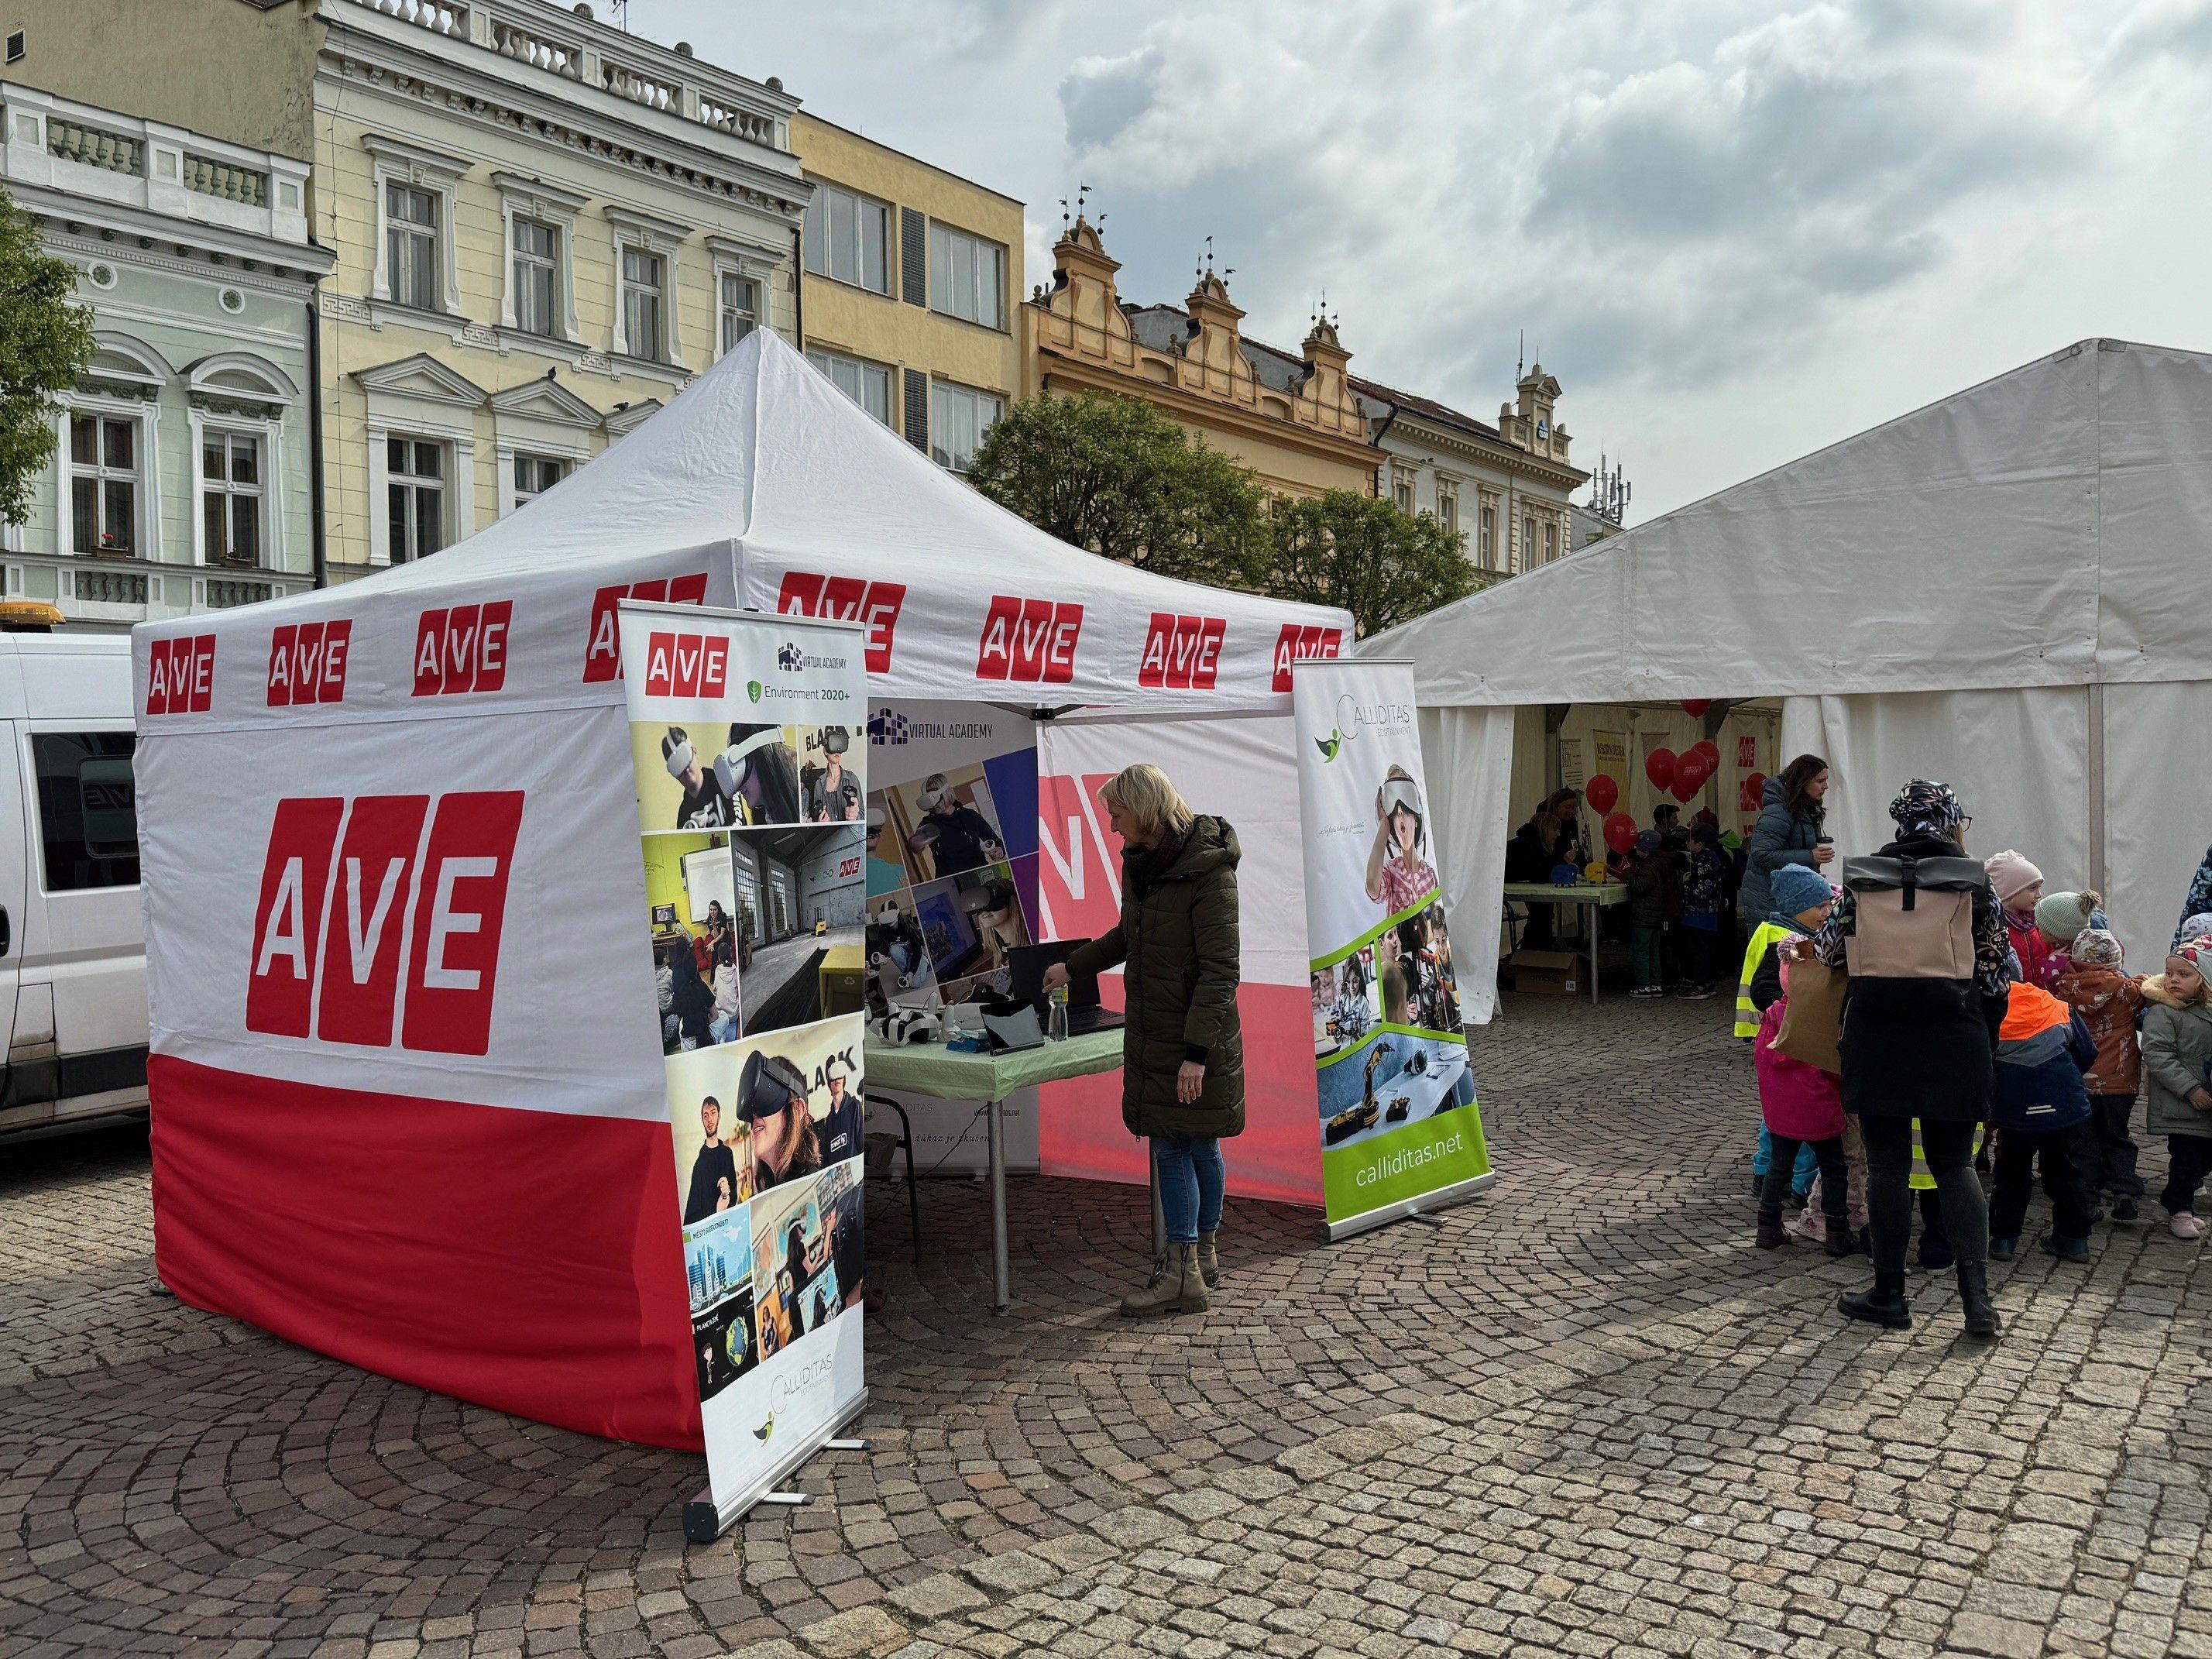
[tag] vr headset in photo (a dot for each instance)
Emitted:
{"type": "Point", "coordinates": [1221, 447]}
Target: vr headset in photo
{"type": "Point", "coordinates": [769, 1085]}
{"type": "Point", "coordinates": [1400, 792]}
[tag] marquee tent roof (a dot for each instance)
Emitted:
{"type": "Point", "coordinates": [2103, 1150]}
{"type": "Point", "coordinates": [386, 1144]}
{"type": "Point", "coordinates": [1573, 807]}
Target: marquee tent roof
{"type": "Point", "coordinates": [2045, 528]}
{"type": "Point", "coordinates": [762, 485]}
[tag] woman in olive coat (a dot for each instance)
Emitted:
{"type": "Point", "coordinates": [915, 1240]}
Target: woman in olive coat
{"type": "Point", "coordinates": [1183, 1065]}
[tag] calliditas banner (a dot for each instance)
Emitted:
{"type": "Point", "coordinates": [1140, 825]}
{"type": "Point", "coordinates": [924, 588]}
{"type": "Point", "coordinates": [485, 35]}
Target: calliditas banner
{"type": "Point", "coordinates": [747, 744]}
{"type": "Point", "coordinates": [1399, 1128]}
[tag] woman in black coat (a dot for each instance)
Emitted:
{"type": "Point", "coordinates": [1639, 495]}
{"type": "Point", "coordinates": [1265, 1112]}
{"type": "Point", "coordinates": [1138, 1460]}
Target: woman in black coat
{"type": "Point", "coordinates": [1792, 810]}
{"type": "Point", "coordinates": [1917, 1057]}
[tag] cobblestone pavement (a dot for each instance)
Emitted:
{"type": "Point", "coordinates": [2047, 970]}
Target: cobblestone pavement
{"type": "Point", "coordinates": [1580, 1416]}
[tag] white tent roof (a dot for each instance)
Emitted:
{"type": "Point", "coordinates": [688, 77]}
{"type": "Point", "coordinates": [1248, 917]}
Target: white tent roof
{"type": "Point", "coordinates": [762, 485]}
{"type": "Point", "coordinates": [2048, 527]}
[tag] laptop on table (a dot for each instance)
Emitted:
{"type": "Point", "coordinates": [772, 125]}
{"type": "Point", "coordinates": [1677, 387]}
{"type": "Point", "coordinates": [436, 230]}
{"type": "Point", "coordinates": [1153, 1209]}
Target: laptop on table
{"type": "Point", "coordinates": [1027, 963]}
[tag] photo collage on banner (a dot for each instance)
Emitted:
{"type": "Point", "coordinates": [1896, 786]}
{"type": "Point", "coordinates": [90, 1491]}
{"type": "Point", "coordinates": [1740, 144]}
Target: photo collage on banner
{"type": "Point", "coordinates": [952, 852]}
{"type": "Point", "coordinates": [748, 748]}
{"type": "Point", "coordinates": [1397, 1102]}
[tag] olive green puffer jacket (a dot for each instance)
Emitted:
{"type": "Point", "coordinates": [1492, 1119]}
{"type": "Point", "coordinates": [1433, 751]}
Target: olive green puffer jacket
{"type": "Point", "coordinates": [1179, 943]}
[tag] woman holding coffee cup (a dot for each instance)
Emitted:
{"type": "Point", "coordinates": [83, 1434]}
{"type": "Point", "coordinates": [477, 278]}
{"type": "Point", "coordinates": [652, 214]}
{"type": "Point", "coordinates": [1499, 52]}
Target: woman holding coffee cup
{"type": "Point", "coordinates": [1789, 830]}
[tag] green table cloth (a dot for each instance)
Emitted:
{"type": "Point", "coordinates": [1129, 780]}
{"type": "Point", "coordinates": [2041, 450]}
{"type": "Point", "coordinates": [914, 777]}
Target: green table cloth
{"type": "Point", "coordinates": [929, 1068]}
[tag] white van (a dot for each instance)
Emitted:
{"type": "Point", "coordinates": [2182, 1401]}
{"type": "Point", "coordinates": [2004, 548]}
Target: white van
{"type": "Point", "coordinates": [72, 934]}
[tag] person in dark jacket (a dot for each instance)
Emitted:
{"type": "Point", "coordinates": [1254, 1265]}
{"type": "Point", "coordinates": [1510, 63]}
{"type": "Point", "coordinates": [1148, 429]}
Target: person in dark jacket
{"type": "Point", "coordinates": [2040, 1105]}
{"type": "Point", "coordinates": [1917, 1054]}
{"type": "Point", "coordinates": [1792, 810]}
{"type": "Point", "coordinates": [691, 1007]}
{"type": "Point", "coordinates": [1182, 1049]}
{"type": "Point", "coordinates": [1552, 835]}
{"type": "Point", "coordinates": [1648, 874]}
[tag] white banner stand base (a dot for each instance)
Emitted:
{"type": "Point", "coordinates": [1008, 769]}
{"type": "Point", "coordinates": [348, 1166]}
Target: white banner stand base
{"type": "Point", "coordinates": [704, 1521]}
{"type": "Point", "coordinates": [1419, 1208]}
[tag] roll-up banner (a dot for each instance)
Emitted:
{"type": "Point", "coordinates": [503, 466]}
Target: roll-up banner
{"type": "Point", "coordinates": [748, 744]}
{"type": "Point", "coordinates": [1400, 1132]}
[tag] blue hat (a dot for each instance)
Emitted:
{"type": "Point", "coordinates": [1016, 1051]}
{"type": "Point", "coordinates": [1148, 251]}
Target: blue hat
{"type": "Point", "coordinates": [1648, 842]}
{"type": "Point", "coordinates": [1794, 888]}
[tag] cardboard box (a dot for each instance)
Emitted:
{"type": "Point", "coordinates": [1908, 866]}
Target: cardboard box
{"type": "Point", "coordinates": [1546, 973]}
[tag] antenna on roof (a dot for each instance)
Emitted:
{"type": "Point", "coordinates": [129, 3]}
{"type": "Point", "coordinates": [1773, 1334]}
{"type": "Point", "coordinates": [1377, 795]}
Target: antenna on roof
{"type": "Point", "coordinates": [1521, 364]}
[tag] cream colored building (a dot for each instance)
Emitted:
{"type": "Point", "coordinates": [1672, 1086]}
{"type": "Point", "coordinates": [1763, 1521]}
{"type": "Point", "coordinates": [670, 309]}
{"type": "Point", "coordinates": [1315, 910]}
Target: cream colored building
{"type": "Point", "coordinates": [1296, 422]}
{"type": "Point", "coordinates": [544, 226]}
{"type": "Point", "coordinates": [911, 280]}
{"type": "Point", "coordinates": [1503, 490]}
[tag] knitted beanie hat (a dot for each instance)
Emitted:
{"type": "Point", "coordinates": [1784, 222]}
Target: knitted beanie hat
{"type": "Point", "coordinates": [1794, 888]}
{"type": "Point", "coordinates": [2012, 875]}
{"type": "Point", "coordinates": [2094, 947]}
{"type": "Point", "coordinates": [2059, 916]}
{"type": "Point", "coordinates": [2197, 927]}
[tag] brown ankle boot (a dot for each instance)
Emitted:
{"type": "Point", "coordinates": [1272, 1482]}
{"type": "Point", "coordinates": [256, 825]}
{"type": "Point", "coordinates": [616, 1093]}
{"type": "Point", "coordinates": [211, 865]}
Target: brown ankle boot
{"type": "Point", "coordinates": [1181, 1288]}
{"type": "Point", "coordinates": [1209, 1261]}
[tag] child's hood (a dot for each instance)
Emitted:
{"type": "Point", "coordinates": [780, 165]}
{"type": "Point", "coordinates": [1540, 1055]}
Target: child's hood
{"type": "Point", "coordinates": [2092, 989]}
{"type": "Point", "coordinates": [2030, 1009]}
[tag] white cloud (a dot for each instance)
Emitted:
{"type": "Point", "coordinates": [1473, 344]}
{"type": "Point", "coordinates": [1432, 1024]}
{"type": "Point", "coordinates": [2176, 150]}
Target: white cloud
{"type": "Point", "coordinates": [1737, 230]}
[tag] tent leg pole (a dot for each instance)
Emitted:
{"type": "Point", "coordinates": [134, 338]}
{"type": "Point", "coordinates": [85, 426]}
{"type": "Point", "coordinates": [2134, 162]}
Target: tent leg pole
{"type": "Point", "coordinates": [2096, 781]}
{"type": "Point", "coordinates": [1002, 1297]}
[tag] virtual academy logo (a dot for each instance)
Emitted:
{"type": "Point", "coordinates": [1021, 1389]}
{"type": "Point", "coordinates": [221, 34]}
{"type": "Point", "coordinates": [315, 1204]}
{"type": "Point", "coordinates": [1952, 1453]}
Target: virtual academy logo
{"type": "Point", "coordinates": [884, 727]}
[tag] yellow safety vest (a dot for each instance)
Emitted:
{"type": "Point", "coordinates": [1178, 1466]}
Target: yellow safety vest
{"type": "Point", "coordinates": [1763, 938]}
{"type": "Point", "coordinates": [1923, 1178]}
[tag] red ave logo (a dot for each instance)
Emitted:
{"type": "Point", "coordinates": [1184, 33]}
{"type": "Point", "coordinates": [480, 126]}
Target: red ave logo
{"type": "Point", "coordinates": [369, 932]}
{"type": "Point", "coordinates": [307, 663]}
{"type": "Point", "coordinates": [181, 675]}
{"type": "Point", "coordinates": [1030, 640]}
{"type": "Point", "coordinates": [1181, 653]}
{"type": "Point", "coordinates": [686, 665]}
{"type": "Point", "coordinates": [1297, 644]}
{"type": "Point", "coordinates": [462, 648]}
{"type": "Point", "coordinates": [875, 605]}
{"type": "Point", "coordinates": [603, 646]}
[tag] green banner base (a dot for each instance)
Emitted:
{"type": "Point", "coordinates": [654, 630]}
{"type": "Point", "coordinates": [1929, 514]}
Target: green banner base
{"type": "Point", "coordinates": [1442, 1199]}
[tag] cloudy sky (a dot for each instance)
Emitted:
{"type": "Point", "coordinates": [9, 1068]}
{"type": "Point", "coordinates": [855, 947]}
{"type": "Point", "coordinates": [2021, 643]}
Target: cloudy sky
{"type": "Point", "coordinates": [1735, 231]}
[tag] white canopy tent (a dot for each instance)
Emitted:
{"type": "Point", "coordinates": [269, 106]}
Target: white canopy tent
{"type": "Point", "coordinates": [2006, 590]}
{"type": "Point", "coordinates": [445, 1064]}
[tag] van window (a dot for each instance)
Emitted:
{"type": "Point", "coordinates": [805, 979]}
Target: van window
{"type": "Point", "coordinates": [88, 808]}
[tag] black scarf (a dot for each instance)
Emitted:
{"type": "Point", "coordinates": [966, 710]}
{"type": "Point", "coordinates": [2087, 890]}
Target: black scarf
{"type": "Point", "coordinates": [1145, 867]}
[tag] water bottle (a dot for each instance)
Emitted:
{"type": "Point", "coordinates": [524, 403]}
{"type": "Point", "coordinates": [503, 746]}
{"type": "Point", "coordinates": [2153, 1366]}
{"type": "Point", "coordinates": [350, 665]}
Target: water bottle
{"type": "Point", "coordinates": [1056, 1028]}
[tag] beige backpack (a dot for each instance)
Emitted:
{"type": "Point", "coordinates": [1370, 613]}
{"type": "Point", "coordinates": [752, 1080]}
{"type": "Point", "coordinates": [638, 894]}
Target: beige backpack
{"type": "Point", "coordinates": [1915, 917]}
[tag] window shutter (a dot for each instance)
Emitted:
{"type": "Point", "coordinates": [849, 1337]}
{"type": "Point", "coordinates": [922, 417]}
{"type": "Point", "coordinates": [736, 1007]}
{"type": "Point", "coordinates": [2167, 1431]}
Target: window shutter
{"type": "Point", "coordinates": [914, 258]}
{"type": "Point", "coordinates": [917, 409]}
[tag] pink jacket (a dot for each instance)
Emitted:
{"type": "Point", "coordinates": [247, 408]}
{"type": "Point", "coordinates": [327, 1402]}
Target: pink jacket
{"type": "Point", "coordinates": [1794, 1099]}
{"type": "Point", "coordinates": [2038, 964]}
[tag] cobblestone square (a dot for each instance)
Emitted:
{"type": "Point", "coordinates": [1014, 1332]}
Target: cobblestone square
{"type": "Point", "coordinates": [1581, 1415]}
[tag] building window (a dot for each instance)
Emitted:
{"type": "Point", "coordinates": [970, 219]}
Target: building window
{"type": "Point", "coordinates": [1401, 489]}
{"type": "Point", "coordinates": [537, 258]}
{"type": "Point", "coordinates": [1485, 530]}
{"type": "Point", "coordinates": [104, 461]}
{"type": "Point", "coordinates": [410, 230]}
{"type": "Point", "coordinates": [846, 236]}
{"type": "Point", "coordinates": [868, 384]}
{"type": "Point", "coordinates": [536, 474]}
{"type": "Point", "coordinates": [740, 307]}
{"type": "Point", "coordinates": [642, 277]}
{"type": "Point", "coordinates": [958, 418]}
{"type": "Point", "coordinates": [966, 276]}
{"type": "Point", "coordinates": [230, 497]}
{"type": "Point", "coordinates": [1550, 543]}
{"type": "Point", "coordinates": [87, 809]}
{"type": "Point", "coordinates": [415, 481]}
{"type": "Point", "coordinates": [1447, 507]}
{"type": "Point", "coordinates": [1527, 543]}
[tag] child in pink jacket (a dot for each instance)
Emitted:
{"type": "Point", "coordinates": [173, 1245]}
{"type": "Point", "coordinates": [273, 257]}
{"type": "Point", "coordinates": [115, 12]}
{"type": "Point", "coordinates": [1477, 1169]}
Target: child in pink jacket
{"type": "Point", "coordinates": [1799, 1103]}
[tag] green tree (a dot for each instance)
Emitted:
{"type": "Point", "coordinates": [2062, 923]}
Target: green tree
{"type": "Point", "coordinates": [1383, 566]}
{"type": "Point", "coordinates": [1115, 476]}
{"type": "Point", "coordinates": [45, 341]}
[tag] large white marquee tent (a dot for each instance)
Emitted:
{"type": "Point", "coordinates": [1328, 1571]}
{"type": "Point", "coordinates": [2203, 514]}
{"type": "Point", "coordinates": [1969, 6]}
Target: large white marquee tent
{"type": "Point", "coordinates": [2007, 590]}
{"type": "Point", "coordinates": [432, 1137]}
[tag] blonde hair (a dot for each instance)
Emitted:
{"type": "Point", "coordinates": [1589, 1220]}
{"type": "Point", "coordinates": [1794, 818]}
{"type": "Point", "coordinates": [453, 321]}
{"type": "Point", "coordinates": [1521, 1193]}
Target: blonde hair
{"type": "Point", "coordinates": [1153, 806]}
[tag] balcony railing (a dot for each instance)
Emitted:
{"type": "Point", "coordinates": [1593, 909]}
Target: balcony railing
{"type": "Point", "coordinates": [109, 587]}
{"type": "Point", "coordinates": [210, 177]}
{"type": "Point", "coordinates": [112, 152]}
{"type": "Point", "coordinates": [225, 594]}
{"type": "Point", "coordinates": [595, 57]}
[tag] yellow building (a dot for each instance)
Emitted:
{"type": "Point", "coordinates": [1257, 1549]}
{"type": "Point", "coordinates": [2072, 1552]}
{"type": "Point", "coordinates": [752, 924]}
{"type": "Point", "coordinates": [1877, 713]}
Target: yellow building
{"type": "Point", "coordinates": [544, 226]}
{"type": "Point", "coordinates": [908, 299]}
{"type": "Point", "coordinates": [1294, 420]}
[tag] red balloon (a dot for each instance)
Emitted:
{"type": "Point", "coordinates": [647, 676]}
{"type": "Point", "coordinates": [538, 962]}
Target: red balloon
{"type": "Point", "coordinates": [1603, 793]}
{"type": "Point", "coordinates": [1659, 767]}
{"type": "Point", "coordinates": [1753, 793]}
{"type": "Point", "coordinates": [1695, 707]}
{"type": "Point", "coordinates": [1686, 785]}
{"type": "Point", "coordinates": [1620, 832]}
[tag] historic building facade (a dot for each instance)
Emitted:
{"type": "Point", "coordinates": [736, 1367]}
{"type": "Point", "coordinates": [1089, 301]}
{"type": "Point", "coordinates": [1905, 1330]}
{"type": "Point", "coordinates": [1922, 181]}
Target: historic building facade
{"type": "Point", "coordinates": [910, 291]}
{"type": "Point", "coordinates": [543, 227]}
{"type": "Point", "coordinates": [1503, 490]}
{"type": "Point", "coordinates": [182, 478]}
{"type": "Point", "coordinates": [1294, 420]}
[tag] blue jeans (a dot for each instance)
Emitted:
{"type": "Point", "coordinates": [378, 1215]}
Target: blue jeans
{"type": "Point", "coordinates": [1191, 1182]}
{"type": "Point", "coordinates": [1800, 1178]}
